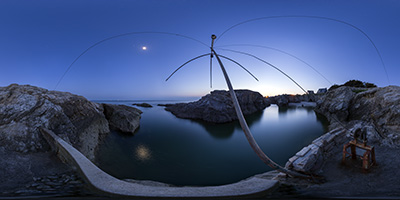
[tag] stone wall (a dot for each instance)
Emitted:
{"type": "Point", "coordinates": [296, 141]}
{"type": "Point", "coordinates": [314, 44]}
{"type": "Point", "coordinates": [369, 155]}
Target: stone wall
{"type": "Point", "coordinates": [311, 158]}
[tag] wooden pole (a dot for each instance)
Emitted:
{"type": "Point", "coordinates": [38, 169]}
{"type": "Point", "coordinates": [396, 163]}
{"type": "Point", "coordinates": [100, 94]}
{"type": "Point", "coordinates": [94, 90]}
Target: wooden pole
{"type": "Point", "coordinates": [245, 127]}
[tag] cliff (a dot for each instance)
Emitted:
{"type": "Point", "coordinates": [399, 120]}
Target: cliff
{"type": "Point", "coordinates": [25, 109]}
{"type": "Point", "coordinates": [377, 109]}
{"type": "Point", "coordinates": [217, 107]}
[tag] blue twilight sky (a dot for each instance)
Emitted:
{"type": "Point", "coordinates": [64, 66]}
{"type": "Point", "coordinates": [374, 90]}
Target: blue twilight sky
{"type": "Point", "coordinates": [39, 39]}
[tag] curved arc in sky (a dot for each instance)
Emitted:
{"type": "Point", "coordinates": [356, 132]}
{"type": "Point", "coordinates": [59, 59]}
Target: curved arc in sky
{"type": "Point", "coordinates": [237, 63]}
{"type": "Point", "coordinates": [273, 66]}
{"type": "Point", "coordinates": [207, 54]}
{"type": "Point", "coordinates": [313, 17]}
{"type": "Point", "coordinates": [284, 52]}
{"type": "Point", "coordinates": [177, 69]}
{"type": "Point", "coordinates": [122, 35]}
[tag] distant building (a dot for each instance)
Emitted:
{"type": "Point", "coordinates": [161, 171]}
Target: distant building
{"type": "Point", "coordinates": [310, 91]}
{"type": "Point", "coordinates": [322, 91]}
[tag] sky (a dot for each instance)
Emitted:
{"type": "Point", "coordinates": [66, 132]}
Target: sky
{"type": "Point", "coordinates": [316, 42]}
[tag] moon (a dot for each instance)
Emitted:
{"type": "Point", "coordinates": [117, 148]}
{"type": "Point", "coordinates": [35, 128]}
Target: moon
{"type": "Point", "coordinates": [144, 48]}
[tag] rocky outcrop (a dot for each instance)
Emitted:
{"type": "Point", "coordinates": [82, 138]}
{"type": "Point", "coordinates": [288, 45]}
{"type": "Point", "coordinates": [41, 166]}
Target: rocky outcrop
{"type": "Point", "coordinates": [381, 107]}
{"type": "Point", "coordinates": [336, 103]}
{"type": "Point", "coordinates": [122, 118]}
{"type": "Point", "coordinates": [25, 109]}
{"type": "Point", "coordinates": [144, 105]}
{"type": "Point", "coordinates": [376, 110]}
{"type": "Point", "coordinates": [217, 106]}
{"type": "Point", "coordinates": [286, 99]}
{"type": "Point", "coordinates": [374, 107]}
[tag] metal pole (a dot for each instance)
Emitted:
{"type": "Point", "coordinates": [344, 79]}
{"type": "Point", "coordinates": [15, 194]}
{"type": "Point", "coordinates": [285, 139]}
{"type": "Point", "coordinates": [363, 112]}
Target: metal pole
{"type": "Point", "coordinates": [245, 127]}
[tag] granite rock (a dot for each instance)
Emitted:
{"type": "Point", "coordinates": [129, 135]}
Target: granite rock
{"type": "Point", "coordinates": [217, 106]}
{"type": "Point", "coordinates": [378, 108]}
{"type": "Point", "coordinates": [24, 109]}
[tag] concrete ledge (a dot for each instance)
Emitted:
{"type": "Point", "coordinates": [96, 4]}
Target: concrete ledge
{"type": "Point", "coordinates": [103, 183]}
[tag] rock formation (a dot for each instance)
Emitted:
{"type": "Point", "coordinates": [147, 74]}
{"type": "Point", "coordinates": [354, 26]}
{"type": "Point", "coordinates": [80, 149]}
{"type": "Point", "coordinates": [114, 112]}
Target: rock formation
{"type": "Point", "coordinates": [25, 109]}
{"type": "Point", "coordinates": [145, 105]}
{"type": "Point", "coordinates": [335, 104]}
{"type": "Point", "coordinates": [122, 118]}
{"type": "Point", "coordinates": [285, 99]}
{"type": "Point", "coordinates": [217, 106]}
{"type": "Point", "coordinates": [377, 109]}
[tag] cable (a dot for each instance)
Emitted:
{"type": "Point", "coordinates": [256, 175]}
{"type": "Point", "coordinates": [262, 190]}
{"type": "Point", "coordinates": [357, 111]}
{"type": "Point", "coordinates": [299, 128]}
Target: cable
{"type": "Point", "coordinates": [313, 17]}
{"type": "Point", "coordinates": [251, 55]}
{"type": "Point", "coordinates": [186, 63]}
{"type": "Point", "coordinates": [261, 46]}
{"type": "Point", "coordinates": [239, 66]}
{"type": "Point", "coordinates": [122, 35]}
{"type": "Point", "coordinates": [207, 55]}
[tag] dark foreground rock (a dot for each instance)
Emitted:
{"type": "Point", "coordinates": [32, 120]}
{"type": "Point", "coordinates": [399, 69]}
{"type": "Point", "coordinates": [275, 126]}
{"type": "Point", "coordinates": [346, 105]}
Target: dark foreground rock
{"type": "Point", "coordinates": [217, 107]}
{"type": "Point", "coordinates": [350, 109]}
{"type": "Point", "coordinates": [36, 174]}
{"type": "Point", "coordinates": [27, 167]}
{"type": "Point", "coordinates": [376, 110]}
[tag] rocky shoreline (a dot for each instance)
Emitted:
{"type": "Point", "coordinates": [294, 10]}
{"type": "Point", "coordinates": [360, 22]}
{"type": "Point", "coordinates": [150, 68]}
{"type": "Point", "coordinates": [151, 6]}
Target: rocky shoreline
{"type": "Point", "coordinates": [25, 154]}
{"type": "Point", "coordinates": [377, 110]}
{"type": "Point", "coordinates": [24, 109]}
{"type": "Point", "coordinates": [287, 99]}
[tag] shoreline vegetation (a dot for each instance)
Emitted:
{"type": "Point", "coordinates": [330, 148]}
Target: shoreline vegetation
{"type": "Point", "coordinates": [24, 109]}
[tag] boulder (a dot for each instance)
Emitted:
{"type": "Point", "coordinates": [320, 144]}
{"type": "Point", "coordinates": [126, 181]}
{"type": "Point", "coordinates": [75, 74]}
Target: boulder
{"type": "Point", "coordinates": [217, 106]}
{"type": "Point", "coordinates": [122, 118]}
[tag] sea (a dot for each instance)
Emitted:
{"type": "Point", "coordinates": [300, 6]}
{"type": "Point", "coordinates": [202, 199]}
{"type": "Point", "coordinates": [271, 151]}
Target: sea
{"type": "Point", "coordinates": [186, 152]}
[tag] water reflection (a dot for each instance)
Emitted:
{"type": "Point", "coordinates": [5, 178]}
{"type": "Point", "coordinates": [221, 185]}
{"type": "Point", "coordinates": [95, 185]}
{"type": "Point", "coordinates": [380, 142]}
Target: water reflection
{"type": "Point", "coordinates": [221, 131]}
{"type": "Point", "coordinates": [226, 130]}
{"type": "Point", "coordinates": [142, 152]}
{"type": "Point", "coordinates": [282, 110]}
{"type": "Point", "coordinates": [197, 153]}
{"type": "Point", "coordinates": [295, 112]}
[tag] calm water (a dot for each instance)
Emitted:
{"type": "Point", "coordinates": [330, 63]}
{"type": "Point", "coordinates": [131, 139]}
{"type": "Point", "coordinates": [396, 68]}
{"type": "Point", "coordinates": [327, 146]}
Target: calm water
{"type": "Point", "coordinates": [186, 152]}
